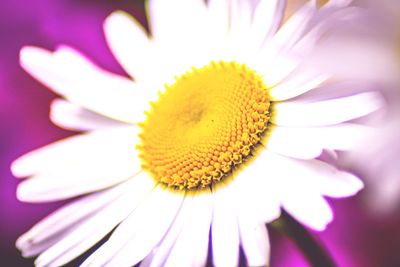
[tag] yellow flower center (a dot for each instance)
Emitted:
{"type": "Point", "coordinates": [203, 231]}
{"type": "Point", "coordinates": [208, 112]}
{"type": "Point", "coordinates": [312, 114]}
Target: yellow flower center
{"type": "Point", "coordinates": [204, 126]}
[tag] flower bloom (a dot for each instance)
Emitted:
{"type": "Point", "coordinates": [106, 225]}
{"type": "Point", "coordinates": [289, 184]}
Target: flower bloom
{"type": "Point", "coordinates": [222, 124]}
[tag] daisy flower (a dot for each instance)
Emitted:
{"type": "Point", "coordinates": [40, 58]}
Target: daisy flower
{"type": "Point", "coordinates": [221, 125]}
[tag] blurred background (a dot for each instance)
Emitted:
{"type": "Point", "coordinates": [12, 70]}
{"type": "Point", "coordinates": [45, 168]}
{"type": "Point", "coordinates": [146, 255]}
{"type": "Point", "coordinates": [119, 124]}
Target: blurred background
{"type": "Point", "coordinates": [365, 231]}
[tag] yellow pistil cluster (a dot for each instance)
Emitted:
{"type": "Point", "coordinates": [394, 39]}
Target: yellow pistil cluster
{"type": "Point", "coordinates": [204, 125]}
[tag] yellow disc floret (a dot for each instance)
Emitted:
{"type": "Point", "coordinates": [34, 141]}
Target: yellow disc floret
{"type": "Point", "coordinates": [204, 125]}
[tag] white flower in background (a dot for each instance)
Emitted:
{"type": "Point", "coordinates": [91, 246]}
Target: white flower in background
{"type": "Point", "coordinates": [378, 63]}
{"type": "Point", "coordinates": [220, 128]}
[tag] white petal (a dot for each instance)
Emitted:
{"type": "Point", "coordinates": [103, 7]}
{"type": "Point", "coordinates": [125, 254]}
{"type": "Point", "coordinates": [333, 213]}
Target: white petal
{"type": "Point", "coordinates": [308, 208]}
{"type": "Point", "coordinates": [240, 19]}
{"type": "Point", "coordinates": [158, 256]}
{"type": "Point", "coordinates": [267, 18]}
{"type": "Point", "coordinates": [295, 27]}
{"type": "Point", "coordinates": [71, 214]}
{"type": "Point", "coordinates": [256, 182]}
{"type": "Point", "coordinates": [129, 43]}
{"type": "Point", "coordinates": [224, 230]}
{"type": "Point", "coordinates": [134, 238]}
{"type": "Point", "coordinates": [254, 240]}
{"type": "Point", "coordinates": [70, 74]}
{"type": "Point", "coordinates": [169, 20]}
{"type": "Point", "coordinates": [335, 90]}
{"type": "Point", "coordinates": [93, 229]}
{"type": "Point", "coordinates": [218, 11]}
{"type": "Point", "coordinates": [284, 141]}
{"type": "Point", "coordinates": [308, 143]}
{"type": "Point", "coordinates": [316, 176]}
{"type": "Point", "coordinates": [191, 246]}
{"type": "Point", "coordinates": [325, 112]}
{"type": "Point", "coordinates": [276, 60]}
{"type": "Point", "coordinates": [77, 150]}
{"type": "Point", "coordinates": [301, 83]}
{"type": "Point", "coordinates": [78, 165]}
{"type": "Point", "coordinates": [302, 199]}
{"type": "Point", "coordinates": [73, 117]}
{"type": "Point", "coordinates": [330, 181]}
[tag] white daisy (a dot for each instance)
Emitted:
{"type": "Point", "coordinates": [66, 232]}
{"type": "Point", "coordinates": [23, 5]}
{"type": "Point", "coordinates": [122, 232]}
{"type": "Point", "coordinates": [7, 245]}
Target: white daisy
{"type": "Point", "coordinates": [217, 132]}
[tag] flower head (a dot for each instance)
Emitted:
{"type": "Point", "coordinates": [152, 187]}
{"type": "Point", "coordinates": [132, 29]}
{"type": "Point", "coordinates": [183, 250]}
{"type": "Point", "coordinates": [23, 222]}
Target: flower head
{"type": "Point", "coordinates": [221, 125]}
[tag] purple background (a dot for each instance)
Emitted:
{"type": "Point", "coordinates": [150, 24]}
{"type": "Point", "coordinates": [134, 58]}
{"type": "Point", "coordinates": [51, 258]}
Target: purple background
{"type": "Point", "coordinates": [357, 237]}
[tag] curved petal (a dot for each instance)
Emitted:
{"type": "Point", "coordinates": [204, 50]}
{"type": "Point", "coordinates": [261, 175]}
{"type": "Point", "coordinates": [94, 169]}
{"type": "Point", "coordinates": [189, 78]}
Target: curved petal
{"type": "Point", "coordinates": [170, 20]}
{"type": "Point", "coordinates": [224, 229]}
{"type": "Point", "coordinates": [73, 117]}
{"type": "Point", "coordinates": [330, 181]}
{"type": "Point", "coordinates": [129, 43]}
{"type": "Point", "coordinates": [308, 208]}
{"type": "Point", "coordinates": [57, 225]}
{"type": "Point", "coordinates": [88, 233]}
{"type": "Point", "coordinates": [78, 165]}
{"type": "Point", "coordinates": [297, 85]}
{"type": "Point", "coordinates": [308, 143]}
{"type": "Point", "coordinates": [267, 18]}
{"type": "Point", "coordinates": [91, 147]}
{"type": "Point", "coordinates": [301, 184]}
{"type": "Point", "coordinates": [287, 143]}
{"type": "Point", "coordinates": [159, 254]}
{"type": "Point", "coordinates": [73, 76]}
{"type": "Point", "coordinates": [327, 112]}
{"type": "Point", "coordinates": [196, 233]}
{"type": "Point", "coordinates": [257, 183]}
{"type": "Point", "coordinates": [135, 237]}
{"type": "Point", "coordinates": [254, 240]}
{"type": "Point", "coordinates": [218, 13]}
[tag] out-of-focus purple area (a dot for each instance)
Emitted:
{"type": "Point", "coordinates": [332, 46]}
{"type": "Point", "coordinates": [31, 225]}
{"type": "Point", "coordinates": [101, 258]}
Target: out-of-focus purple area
{"type": "Point", "coordinates": [355, 238]}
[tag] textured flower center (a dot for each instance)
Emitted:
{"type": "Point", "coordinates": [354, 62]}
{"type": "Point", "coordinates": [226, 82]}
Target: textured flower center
{"type": "Point", "coordinates": [204, 126]}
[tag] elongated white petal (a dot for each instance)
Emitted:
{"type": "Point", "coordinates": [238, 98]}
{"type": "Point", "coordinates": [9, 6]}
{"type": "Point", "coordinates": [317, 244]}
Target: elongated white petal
{"type": "Point", "coordinates": [169, 20]}
{"type": "Point", "coordinates": [196, 233]}
{"type": "Point", "coordinates": [240, 19]}
{"type": "Point", "coordinates": [45, 188]}
{"type": "Point", "coordinates": [316, 176]}
{"type": "Point", "coordinates": [254, 240]}
{"type": "Point", "coordinates": [129, 43]}
{"type": "Point", "coordinates": [152, 232]}
{"type": "Point", "coordinates": [93, 229]}
{"type": "Point", "coordinates": [308, 208]}
{"type": "Point", "coordinates": [301, 184]}
{"type": "Point", "coordinates": [267, 18]}
{"type": "Point", "coordinates": [328, 180]}
{"type": "Point", "coordinates": [307, 143]}
{"type": "Point", "coordinates": [295, 27]}
{"type": "Point", "coordinates": [78, 165]}
{"type": "Point", "coordinates": [74, 213]}
{"type": "Point", "coordinates": [73, 117]}
{"type": "Point", "coordinates": [298, 85]}
{"type": "Point", "coordinates": [77, 150]}
{"type": "Point", "coordinates": [257, 182]}
{"type": "Point", "coordinates": [334, 90]}
{"type": "Point", "coordinates": [70, 74]}
{"type": "Point", "coordinates": [134, 239]}
{"type": "Point", "coordinates": [224, 230]}
{"type": "Point", "coordinates": [159, 254]}
{"type": "Point", "coordinates": [275, 61]}
{"type": "Point", "coordinates": [326, 112]}
{"type": "Point", "coordinates": [218, 13]}
{"type": "Point", "coordinates": [286, 142]}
